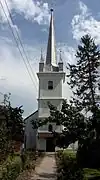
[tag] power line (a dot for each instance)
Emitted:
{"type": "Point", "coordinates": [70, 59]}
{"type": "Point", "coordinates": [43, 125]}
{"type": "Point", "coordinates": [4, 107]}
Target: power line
{"type": "Point", "coordinates": [20, 40]}
{"type": "Point", "coordinates": [17, 43]}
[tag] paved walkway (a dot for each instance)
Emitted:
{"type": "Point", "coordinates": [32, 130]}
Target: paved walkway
{"type": "Point", "coordinates": [47, 168]}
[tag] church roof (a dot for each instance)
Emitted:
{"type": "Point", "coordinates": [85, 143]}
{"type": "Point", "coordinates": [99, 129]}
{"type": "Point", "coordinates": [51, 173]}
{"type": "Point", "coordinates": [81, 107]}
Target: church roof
{"type": "Point", "coordinates": [51, 49]}
{"type": "Point", "coordinates": [30, 115]}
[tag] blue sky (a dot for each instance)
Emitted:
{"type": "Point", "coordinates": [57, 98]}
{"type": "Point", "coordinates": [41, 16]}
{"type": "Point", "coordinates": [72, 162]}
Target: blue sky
{"type": "Point", "coordinates": [73, 19]}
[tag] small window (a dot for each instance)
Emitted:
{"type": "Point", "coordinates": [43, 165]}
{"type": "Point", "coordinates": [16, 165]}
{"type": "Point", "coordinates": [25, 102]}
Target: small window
{"type": "Point", "coordinates": [50, 128]}
{"type": "Point", "coordinates": [50, 85]}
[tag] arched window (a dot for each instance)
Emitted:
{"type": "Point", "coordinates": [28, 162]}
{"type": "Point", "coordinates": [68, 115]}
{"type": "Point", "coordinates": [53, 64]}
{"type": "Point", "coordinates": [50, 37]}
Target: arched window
{"type": "Point", "coordinates": [50, 128]}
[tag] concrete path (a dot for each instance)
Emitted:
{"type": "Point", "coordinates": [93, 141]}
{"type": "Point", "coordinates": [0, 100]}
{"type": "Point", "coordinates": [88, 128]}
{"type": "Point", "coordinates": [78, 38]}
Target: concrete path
{"type": "Point", "coordinates": [46, 169]}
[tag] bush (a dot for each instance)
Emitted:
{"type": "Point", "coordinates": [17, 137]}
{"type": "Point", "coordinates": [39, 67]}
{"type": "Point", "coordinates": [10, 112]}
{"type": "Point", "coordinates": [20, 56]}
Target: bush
{"type": "Point", "coordinates": [28, 159]}
{"type": "Point", "coordinates": [92, 174]}
{"type": "Point", "coordinates": [10, 169]}
{"type": "Point", "coordinates": [67, 167]}
{"type": "Point", "coordinates": [88, 155]}
{"type": "Point", "coordinates": [16, 163]}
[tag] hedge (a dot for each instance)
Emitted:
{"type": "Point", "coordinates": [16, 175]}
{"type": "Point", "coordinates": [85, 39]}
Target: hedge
{"type": "Point", "coordinates": [91, 174]}
{"type": "Point", "coordinates": [67, 167]}
{"type": "Point", "coordinates": [10, 169]}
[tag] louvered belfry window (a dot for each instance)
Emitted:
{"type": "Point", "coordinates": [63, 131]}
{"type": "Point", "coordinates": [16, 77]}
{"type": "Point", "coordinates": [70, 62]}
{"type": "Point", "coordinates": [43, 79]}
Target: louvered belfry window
{"type": "Point", "coordinates": [50, 85]}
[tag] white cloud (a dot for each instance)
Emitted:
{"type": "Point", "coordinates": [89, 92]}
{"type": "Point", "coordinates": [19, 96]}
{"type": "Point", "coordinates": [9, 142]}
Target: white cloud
{"type": "Point", "coordinates": [14, 77]}
{"type": "Point", "coordinates": [31, 10]}
{"type": "Point", "coordinates": [5, 19]}
{"type": "Point", "coordinates": [84, 23]}
{"type": "Point", "coordinates": [68, 53]}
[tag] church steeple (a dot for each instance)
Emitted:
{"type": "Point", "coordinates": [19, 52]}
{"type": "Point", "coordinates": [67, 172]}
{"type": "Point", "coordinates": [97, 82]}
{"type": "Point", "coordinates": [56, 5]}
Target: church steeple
{"type": "Point", "coordinates": [51, 50]}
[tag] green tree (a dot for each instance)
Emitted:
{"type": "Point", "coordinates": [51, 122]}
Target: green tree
{"type": "Point", "coordinates": [11, 125]}
{"type": "Point", "coordinates": [15, 123]}
{"type": "Point", "coordinates": [84, 77]}
{"type": "Point", "coordinates": [73, 123]}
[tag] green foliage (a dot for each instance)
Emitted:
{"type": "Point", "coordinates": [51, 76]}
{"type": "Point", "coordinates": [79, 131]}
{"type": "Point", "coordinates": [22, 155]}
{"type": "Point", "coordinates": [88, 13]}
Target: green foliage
{"type": "Point", "coordinates": [88, 155]}
{"type": "Point", "coordinates": [28, 159]}
{"type": "Point", "coordinates": [4, 143]}
{"type": "Point", "coordinates": [84, 77]}
{"type": "Point", "coordinates": [15, 163]}
{"type": "Point", "coordinates": [15, 123]}
{"type": "Point", "coordinates": [67, 167]}
{"type": "Point", "coordinates": [72, 119]}
{"type": "Point", "coordinates": [11, 126]}
{"type": "Point", "coordinates": [10, 169]}
{"type": "Point", "coordinates": [92, 174]}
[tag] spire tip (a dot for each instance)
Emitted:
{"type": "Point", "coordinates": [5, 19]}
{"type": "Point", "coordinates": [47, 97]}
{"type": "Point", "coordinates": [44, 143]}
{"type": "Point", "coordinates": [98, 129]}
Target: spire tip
{"type": "Point", "coordinates": [51, 9]}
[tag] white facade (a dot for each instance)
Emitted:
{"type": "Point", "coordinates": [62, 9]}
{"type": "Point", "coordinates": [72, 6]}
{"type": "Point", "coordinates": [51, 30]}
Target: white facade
{"type": "Point", "coordinates": [30, 136]}
{"type": "Point", "coordinates": [51, 78]}
{"type": "Point", "coordinates": [41, 144]}
{"type": "Point", "coordinates": [53, 96]}
{"type": "Point", "coordinates": [46, 95]}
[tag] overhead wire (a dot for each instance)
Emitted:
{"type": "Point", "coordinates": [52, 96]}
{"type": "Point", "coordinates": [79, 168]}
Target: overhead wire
{"type": "Point", "coordinates": [20, 40]}
{"type": "Point", "coordinates": [17, 44]}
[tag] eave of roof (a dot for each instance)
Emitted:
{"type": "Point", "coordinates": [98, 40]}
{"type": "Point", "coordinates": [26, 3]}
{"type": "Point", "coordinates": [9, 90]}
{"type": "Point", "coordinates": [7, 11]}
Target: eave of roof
{"type": "Point", "coordinates": [31, 115]}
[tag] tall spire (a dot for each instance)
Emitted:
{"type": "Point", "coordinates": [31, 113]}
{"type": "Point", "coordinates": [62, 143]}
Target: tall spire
{"type": "Point", "coordinates": [60, 58]}
{"type": "Point", "coordinates": [41, 59]}
{"type": "Point", "coordinates": [51, 50]}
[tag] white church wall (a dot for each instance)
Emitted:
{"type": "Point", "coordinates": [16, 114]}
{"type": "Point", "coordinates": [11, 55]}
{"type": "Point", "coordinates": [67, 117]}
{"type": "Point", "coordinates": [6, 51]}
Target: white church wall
{"type": "Point", "coordinates": [55, 127]}
{"type": "Point", "coordinates": [43, 128]}
{"type": "Point", "coordinates": [57, 86]}
{"type": "Point", "coordinates": [58, 128]}
{"type": "Point", "coordinates": [30, 133]}
{"type": "Point", "coordinates": [41, 144]}
{"type": "Point", "coordinates": [43, 106]}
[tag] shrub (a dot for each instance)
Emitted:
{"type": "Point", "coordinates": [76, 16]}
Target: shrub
{"type": "Point", "coordinates": [59, 153]}
{"type": "Point", "coordinates": [10, 169]}
{"type": "Point", "coordinates": [67, 167]}
{"type": "Point", "coordinates": [88, 155]}
{"type": "Point", "coordinates": [15, 163]}
{"type": "Point", "coordinates": [28, 159]}
{"type": "Point", "coordinates": [92, 174]}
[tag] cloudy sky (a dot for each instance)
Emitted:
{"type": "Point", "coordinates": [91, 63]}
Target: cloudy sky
{"type": "Point", "coordinates": [73, 18]}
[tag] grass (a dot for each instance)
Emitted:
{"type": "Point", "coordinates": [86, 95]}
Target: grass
{"type": "Point", "coordinates": [70, 152]}
{"type": "Point", "coordinates": [91, 173]}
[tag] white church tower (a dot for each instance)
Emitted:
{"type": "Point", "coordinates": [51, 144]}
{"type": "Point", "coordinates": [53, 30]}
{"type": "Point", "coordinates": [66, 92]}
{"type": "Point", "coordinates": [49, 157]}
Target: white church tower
{"type": "Point", "coordinates": [51, 78]}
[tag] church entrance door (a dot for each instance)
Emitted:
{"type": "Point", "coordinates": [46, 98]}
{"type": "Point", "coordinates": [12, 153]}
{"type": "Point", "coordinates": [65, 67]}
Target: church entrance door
{"type": "Point", "coordinates": [50, 146]}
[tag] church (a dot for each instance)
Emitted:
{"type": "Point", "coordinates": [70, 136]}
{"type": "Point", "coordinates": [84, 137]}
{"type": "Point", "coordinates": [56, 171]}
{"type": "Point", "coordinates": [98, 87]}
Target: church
{"type": "Point", "coordinates": [51, 77]}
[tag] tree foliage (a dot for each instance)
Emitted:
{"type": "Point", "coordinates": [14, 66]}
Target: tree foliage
{"type": "Point", "coordinates": [84, 75]}
{"type": "Point", "coordinates": [11, 125]}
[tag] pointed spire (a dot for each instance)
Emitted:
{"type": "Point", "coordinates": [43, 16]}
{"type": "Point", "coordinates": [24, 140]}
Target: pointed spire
{"type": "Point", "coordinates": [51, 50]}
{"type": "Point", "coordinates": [41, 59]}
{"type": "Point", "coordinates": [60, 62]}
{"type": "Point", "coordinates": [60, 58]}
